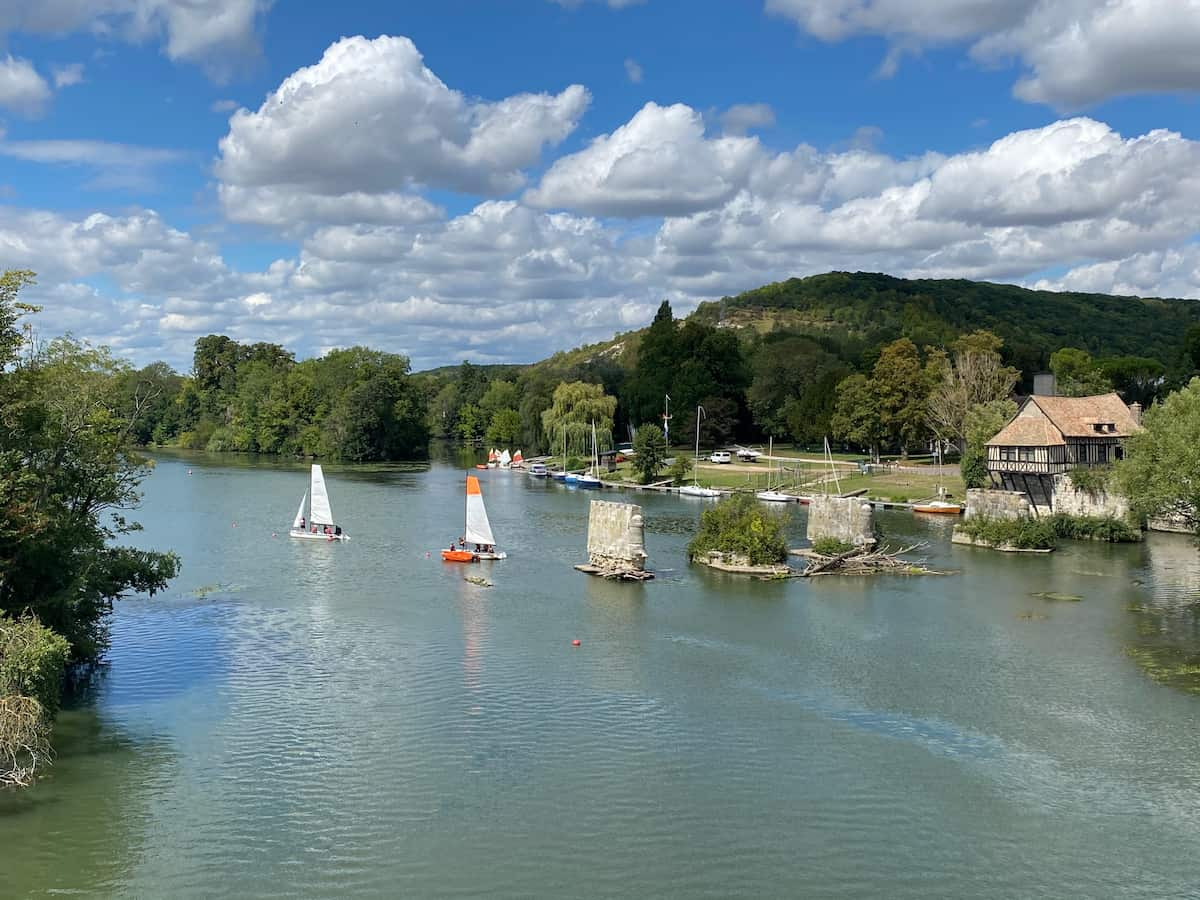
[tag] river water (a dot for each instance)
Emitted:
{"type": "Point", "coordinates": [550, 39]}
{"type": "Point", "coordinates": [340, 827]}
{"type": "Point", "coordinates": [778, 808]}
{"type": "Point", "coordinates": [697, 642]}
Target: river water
{"type": "Point", "coordinates": [299, 719]}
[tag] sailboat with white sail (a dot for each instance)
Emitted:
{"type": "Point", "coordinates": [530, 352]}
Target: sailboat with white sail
{"type": "Point", "coordinates": [770, 495]}
{"type": "Point", "coordinates": [477, 541]}
{"type": "Point", "coordinates": [319, 524]}
{"type": "Point", "coordinates": [591, 478]}
{"type": "Point", "coordinates": [694, 489]}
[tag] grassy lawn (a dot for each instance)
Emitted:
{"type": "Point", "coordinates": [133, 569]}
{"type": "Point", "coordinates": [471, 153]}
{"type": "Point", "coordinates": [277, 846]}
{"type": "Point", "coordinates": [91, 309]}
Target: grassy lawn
{"type": "Point", "coordinates": [896, 487]}
{"type": "Point", "coordinates": [903, 487]}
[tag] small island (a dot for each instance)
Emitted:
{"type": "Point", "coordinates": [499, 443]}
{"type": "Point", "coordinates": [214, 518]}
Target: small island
{"type": "Point", "coordinates": [739, 535]}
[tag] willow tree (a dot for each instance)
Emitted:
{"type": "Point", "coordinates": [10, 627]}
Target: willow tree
{"type": "Point", "coordinates": [576, 406]}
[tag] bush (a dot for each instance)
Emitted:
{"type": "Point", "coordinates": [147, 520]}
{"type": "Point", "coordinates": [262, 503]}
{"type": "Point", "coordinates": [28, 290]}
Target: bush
{"type": "Point", "coordinates": [680, 469]}
{"type": "Point", "coordinates": [1095, 528]}
{"type": "Point", "coordinates": [33, 660]}
{"type": "Point", "coordinates": [1092, 479]}
{"type": "Point", "coordinates": [973, 467]}
{"type": "Point", "coordinates": [740, 525]}
{"type": "Point", "coordinates": [828, 546]}
{"type": "Point", "coordinates": [650, 451]}
{"type": "Point", "coordinates": [1024, 534]}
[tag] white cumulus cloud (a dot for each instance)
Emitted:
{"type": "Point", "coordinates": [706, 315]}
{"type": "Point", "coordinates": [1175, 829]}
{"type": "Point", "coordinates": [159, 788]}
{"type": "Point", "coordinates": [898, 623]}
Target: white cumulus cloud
{"type": "Point", "coordinates": [1073, 52]}
{"type": "Point", "coordinates": [22, 89]}
{"type": "Point", "coordinates": [371, 119]}
{"type": "Point", "coordinates": [658, 163]}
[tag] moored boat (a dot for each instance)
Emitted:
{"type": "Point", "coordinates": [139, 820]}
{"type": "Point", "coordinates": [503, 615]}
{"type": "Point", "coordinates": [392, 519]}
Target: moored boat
{"type": "Point", "coordinates": [939, 508]}
{"type": "Point", "coordinates": [539, 470]}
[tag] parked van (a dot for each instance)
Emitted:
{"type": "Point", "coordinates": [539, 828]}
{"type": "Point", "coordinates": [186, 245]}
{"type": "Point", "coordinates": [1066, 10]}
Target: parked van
{"type": "Point", "coordinates": [721, 456]}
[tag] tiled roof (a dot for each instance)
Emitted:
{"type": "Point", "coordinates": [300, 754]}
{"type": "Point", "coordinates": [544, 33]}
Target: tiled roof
{"type": "Point", "coordinates": [1027, 433]}
{"type": "Point", "coordinates": [1069, 417]}
{"type": "Point", "coordinates": [1075, 416]}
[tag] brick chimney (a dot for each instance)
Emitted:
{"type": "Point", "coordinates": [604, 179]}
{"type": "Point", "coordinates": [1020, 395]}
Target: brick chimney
{"type": "Point", "coordinates": [1135, 410]}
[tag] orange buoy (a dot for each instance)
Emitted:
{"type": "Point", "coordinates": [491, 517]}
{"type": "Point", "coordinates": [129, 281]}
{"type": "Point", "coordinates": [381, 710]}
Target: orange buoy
{"type": "Point", "coordinates": [575, 643]}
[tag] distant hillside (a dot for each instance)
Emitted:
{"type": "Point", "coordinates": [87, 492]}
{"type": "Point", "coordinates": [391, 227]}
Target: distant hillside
{"type": "Point", "coordinates": [862, 310]}
{"type": "Point", "coordinates": [875, 308]}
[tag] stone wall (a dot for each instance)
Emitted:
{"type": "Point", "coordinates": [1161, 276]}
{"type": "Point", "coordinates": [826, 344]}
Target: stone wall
{"type": "Point", "coordinates": [616, 538]}
{"type": "Point", "coordinates": [848, 519]}
{"type": "Point", "coordinates": [989, 504]}
{"type": "Point", "coordinates": [1072, 501]}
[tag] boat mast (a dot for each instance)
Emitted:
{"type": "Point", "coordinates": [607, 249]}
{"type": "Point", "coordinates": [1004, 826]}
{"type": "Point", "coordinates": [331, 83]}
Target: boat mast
{"type": "Point", "coordinates": [696, 463]}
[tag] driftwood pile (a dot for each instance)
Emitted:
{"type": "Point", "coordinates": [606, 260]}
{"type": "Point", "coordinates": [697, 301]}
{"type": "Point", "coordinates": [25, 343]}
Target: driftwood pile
{"type": "Point", "coordinates": [867, 561]}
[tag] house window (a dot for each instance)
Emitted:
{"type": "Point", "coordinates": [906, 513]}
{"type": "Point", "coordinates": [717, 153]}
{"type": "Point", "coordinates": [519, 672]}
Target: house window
{"type": "Point", "coordinates": [1119, 452]}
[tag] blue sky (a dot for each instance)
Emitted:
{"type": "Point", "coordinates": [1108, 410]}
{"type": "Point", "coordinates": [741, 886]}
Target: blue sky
{"type": "Point", "coordinates": [498, 180]}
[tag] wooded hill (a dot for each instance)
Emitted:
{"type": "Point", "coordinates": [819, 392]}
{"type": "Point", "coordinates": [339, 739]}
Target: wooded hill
{"type": "Point", "coordinates": [859, 311]}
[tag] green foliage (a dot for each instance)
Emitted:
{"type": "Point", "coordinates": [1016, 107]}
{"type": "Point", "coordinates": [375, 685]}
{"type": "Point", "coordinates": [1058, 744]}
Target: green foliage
{"type": "Point", "coordinates": [1092, 479]}
{"type": "Point", "coordinates": [680, 470]}
{"type": "Point", "coordinates": [1138, 379]}
{"type": "Point", "coordinates": [856, 415]}
{"type": "Point", "coordinates": [68, 476]}
{"type": "Point", "coordinates": [1094, 528]}
{"type": "Point", "coordinates": [504, 428]}
{"type": "Point", "coordinates": [740, 525]}
{"type": "Point", "coordinates": [650, 449]}
{"type": "Point", "coordinates": [982, 422]}
{"type": "Point", "coordinates": [573, 410]}
{"type": "Point", "coordinates": [1044, 533]}
{"type": "Point", "coordinates": [975, 378]}
{"type": "Point", "coordinates": [1161, 471]}
{"type": "Point", "coordinates": [1076, 374]}
{"type": "Point", "coordinates": [33, 661]}
{"type": "Point", "coordinates": [830, 546]}
{"type": "Point", "coordinates": [1023, 534]}
{"type": "Point", "coordinates": [973, 467]}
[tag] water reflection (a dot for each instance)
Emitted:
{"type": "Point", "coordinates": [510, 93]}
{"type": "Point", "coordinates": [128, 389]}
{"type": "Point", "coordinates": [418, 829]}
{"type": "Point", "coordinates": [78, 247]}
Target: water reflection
{"type": "Point", "coordinates": [1166, 615]}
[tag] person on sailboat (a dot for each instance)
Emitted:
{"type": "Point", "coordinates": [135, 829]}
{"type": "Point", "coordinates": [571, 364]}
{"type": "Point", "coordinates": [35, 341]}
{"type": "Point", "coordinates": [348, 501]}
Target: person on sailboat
{"type": "Point", "coordinates": [302, 523]}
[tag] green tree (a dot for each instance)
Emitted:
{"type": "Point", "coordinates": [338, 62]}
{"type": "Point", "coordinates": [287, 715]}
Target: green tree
{"type": "Point", "coordinates": [575, 407]}
{"type": "Point", "coordinates": [856, 418]}
{"type": "Point", "coordinates": [32, 665]}
{"type": "Point", "coordinates": [505, 428]}
{"type": "Point", "coordinates": [739, 525]}
{"type": "Point", "coordinates": [901, 384]}
{"type": "Point", "coordinates": [680, 469]}
{"type": "Point", "coordinates": [785, 369]}
{"type": "Point", "coordinates": [983, 422]}
{"type": "Point", "coordinates": [68, 477]}
{"type": "Point", "coordinates": [499, 395]}
{"type": "Point", "coordinates": [650, 451]}
{"type": "Point", "coordinates": [471, 423]}
{"type": "Point", "coordinates": [1161, 471]}
{"type": "Point", "coordinates": [1137, 379]}
{"type": "Point", "coordinates": [1076, 374]}
{"type": "Point", "coordinates": [657, 357]}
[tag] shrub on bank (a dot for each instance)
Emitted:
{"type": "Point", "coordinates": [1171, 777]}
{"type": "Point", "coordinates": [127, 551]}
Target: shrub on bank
{"type": "Point", "coordinates": [829, 546]}
{"type": "Point", "coordinates": [33, 660]}
{"type": "Point", "coordinates": [740, 525]}
{"type": "Point", "coordinates": [1044, 533]}
{"type": "Point", "coordinates": [1023, 534]}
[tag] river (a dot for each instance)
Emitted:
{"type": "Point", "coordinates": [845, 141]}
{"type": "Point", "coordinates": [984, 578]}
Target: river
{"type": "Point", "coordinates": [301, 719]}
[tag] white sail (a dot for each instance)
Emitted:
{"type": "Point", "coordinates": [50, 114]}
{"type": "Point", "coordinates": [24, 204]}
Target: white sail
{"type": "Point", "coordinates": [321, 513]}
{"type": "Point", "coordinates": [479, 529]}
{"type": "Point", "coordinates": [300, 512]}
{"type": "Point", "coordinates": [505, 457]}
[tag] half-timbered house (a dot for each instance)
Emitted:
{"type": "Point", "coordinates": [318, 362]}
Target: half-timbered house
{"type": "Point", "coordinates": [1052, 435]}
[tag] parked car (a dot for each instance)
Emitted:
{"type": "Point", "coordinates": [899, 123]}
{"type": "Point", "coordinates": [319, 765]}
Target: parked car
{"type": "Point", "coordinates": [721, 456]}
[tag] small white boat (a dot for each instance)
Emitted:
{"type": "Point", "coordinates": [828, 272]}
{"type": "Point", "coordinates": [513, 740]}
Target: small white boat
{"type": "Point", "coordinates": [590, 478]}
{"type": "Point", "coordinates": [319, 526]}
{"type": "Point", "coordinates": [774, 497]}
{"type": "Point", "coordinates": [505, 459]}
{"type": "Point", "coordinates": [770, 495]}
{"type": "Point", "coordinates": [477, 531]}
{"type": "Point", "coordinates": [694, 489]}
{"type": "Point", "coordinates": [518, 461]}
{"type": "Point", "coordinates": [539, 470]}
